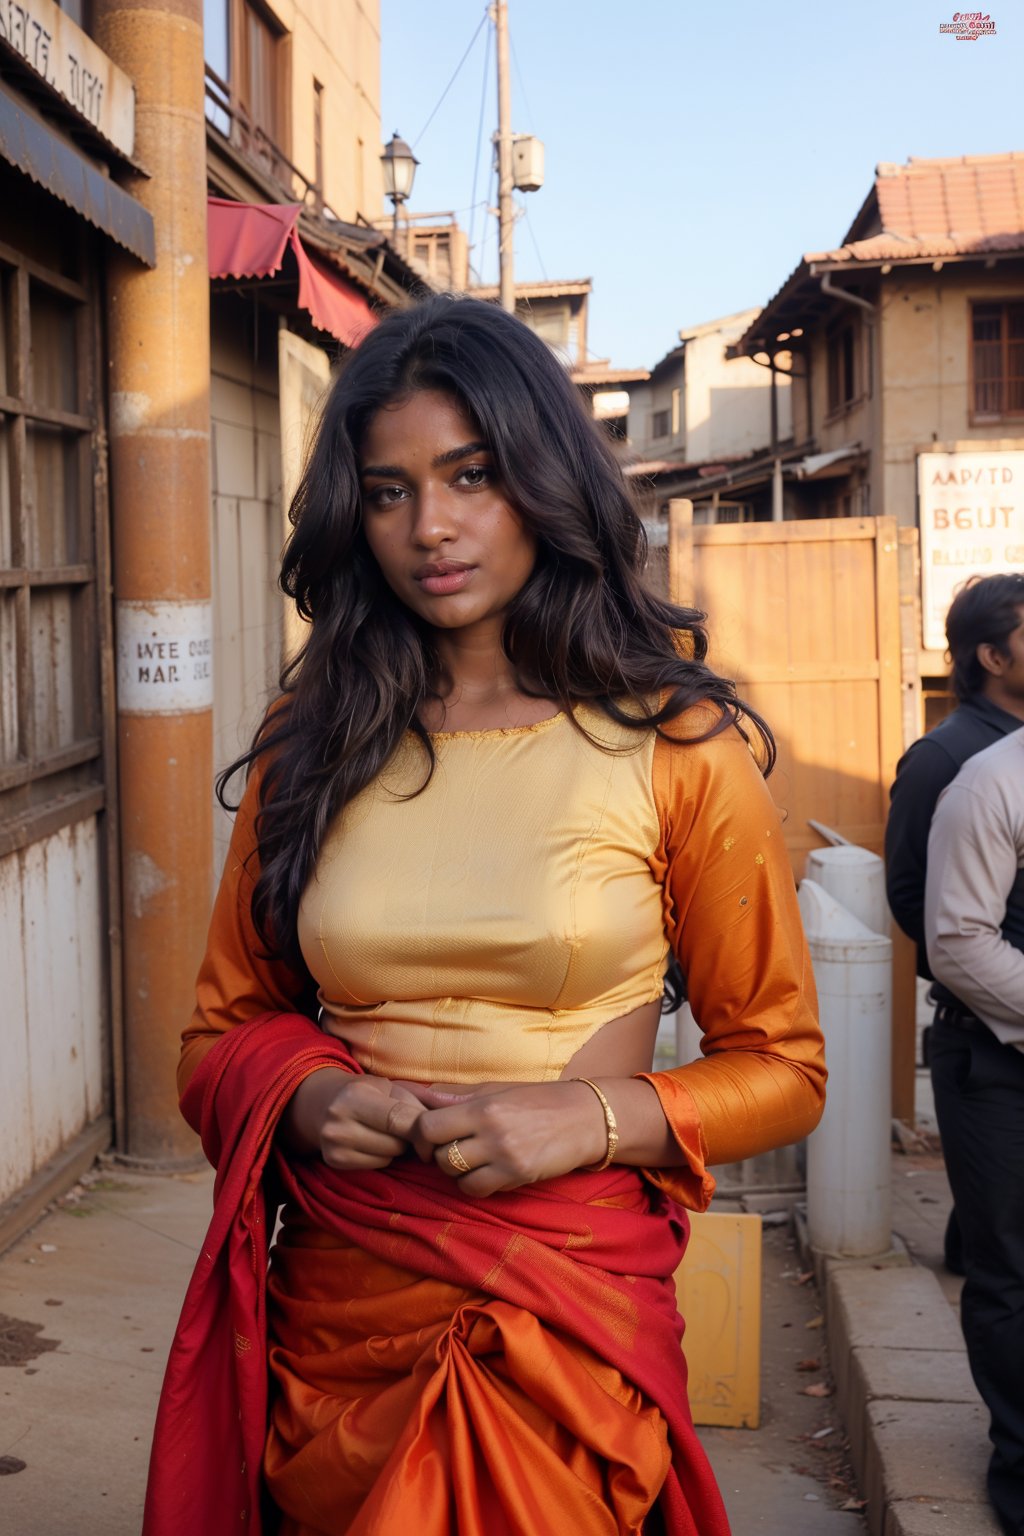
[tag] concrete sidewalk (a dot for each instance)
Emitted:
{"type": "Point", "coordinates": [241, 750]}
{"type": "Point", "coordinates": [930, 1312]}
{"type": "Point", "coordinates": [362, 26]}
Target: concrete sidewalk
{"type": "Point", "coordinates": [916, 1425]}
{"type": "Point", "coordinates": [96, 1285]}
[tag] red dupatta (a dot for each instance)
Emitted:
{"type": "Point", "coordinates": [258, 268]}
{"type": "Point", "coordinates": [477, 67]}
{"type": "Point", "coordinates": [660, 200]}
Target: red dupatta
{"type": "Point", "coordinates": [595, 1271]}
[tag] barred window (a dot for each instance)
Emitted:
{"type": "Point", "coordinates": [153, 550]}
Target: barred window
{"type": "Point", "coordinates": [997, 360]}
{"type": "Point", "coordinates": [50, 707]}
{"type": "Point", "coordinates": [844, 385]}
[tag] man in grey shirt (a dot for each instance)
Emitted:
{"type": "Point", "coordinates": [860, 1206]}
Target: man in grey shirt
{"type": "Point", "coordinates": [974, 927]}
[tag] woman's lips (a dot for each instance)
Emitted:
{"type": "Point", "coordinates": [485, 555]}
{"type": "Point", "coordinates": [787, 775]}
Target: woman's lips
{"type": "Point", "coordinates": [445, 582]}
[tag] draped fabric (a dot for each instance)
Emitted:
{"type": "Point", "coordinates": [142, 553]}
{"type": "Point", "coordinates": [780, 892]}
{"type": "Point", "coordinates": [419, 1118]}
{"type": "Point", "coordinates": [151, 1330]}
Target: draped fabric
{"type": "Point", "coordinates": [560, 1350]}
{"type": "Point", "coordinates": [250, 240]}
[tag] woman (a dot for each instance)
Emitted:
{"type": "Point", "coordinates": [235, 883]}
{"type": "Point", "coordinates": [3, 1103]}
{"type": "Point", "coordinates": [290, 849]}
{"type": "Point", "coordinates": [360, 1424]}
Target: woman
{"type": "Point", "coordinates": [499, 784]}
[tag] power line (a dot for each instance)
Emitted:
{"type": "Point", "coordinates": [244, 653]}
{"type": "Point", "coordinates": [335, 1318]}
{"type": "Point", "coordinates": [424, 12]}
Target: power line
{"type": "Point", "coordinates": [533, 237]}
{"type": "Point", "coordinates": [452, 81]}
{"type": "Point", "coordinates": [488, 226]}
{"type": "Point", "coordinates": [479, 137]}
{"type": "Point", "coordinates": [522, 83]}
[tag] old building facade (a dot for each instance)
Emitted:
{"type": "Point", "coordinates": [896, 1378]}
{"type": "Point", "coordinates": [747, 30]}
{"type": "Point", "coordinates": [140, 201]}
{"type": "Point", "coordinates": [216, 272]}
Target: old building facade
{"type": "Point", "coordinates": [906, 345]}
{"type": "Point", "coordinates": [67, 138]}
{"type": "Point", "coordinates": [152, 416]}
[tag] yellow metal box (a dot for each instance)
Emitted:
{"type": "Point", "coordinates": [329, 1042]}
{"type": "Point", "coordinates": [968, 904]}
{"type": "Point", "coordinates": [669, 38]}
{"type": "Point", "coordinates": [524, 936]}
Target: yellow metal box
{"type": "Point", "coordinates": [719, 1289]}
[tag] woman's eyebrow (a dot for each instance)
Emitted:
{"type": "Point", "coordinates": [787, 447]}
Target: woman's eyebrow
{"type": "Point", "coordinates": [450, 456]}
{"type": "Point", "coordinates": [453, 455]}
{"type": "Point", "coordinates": [384, 471]}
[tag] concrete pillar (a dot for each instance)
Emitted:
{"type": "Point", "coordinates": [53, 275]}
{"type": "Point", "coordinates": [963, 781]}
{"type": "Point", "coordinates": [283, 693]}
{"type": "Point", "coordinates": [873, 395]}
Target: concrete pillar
{"type": "Point", "coordinates": [159, 393]}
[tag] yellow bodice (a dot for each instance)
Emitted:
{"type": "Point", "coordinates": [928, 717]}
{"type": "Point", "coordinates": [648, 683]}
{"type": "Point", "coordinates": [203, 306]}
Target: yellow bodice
{"type": "Point", "coordinates": [488, 926]}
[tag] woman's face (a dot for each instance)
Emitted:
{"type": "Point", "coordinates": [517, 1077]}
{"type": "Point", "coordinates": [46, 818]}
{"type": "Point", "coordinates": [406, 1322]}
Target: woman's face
{"type": "Point", "coordinates": [438, 522]}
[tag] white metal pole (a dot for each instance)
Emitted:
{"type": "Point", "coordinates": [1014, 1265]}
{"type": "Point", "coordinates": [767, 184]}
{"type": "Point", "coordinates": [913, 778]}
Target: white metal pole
{"type": "Point", "coordinates": [849, 1193]}
{"type": "Point", "coordinates": [856, 878]}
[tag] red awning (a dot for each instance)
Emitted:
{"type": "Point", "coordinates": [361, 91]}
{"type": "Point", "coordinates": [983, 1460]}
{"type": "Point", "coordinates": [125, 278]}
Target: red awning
{"type": "Point", "coordinates": [250, 239]}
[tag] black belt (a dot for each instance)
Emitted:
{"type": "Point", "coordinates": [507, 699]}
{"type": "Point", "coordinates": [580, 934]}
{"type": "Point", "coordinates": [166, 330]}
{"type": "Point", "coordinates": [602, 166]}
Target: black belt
{"type": "Point", "coordinates": [949, 1013]}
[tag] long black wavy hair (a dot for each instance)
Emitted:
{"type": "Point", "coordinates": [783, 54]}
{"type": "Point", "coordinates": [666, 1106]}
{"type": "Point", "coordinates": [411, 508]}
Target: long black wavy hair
{"type": "Point", "coordinates": [583, 629]}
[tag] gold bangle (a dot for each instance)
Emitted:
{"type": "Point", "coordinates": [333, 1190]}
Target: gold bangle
{"type": "Point", "coordinates": [611, 1126]}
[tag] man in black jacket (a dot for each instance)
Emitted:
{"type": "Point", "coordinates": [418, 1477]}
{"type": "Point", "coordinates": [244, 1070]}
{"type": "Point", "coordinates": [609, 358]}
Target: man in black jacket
{"type": "Point", "coordinates": [985, 631]}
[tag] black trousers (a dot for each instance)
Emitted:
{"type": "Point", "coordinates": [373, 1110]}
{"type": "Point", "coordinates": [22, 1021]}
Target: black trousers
{"type": "Point", "coordinates": [979, 1102]}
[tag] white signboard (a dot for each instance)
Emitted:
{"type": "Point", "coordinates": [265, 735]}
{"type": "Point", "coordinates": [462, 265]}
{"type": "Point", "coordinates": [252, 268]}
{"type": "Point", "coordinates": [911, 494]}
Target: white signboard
{"type": "Point", "coordinates": [70, 62]}
{"type": "Point", "coordinates": [972, 524]}
{"type": "Point", "coordinates": [164, 658]}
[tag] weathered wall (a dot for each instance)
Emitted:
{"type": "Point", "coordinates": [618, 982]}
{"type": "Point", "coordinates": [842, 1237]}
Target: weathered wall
{"type": "Point", "coordinates": [337, 42]}
{"type": "Point", "coordinates": [724, 408]}
{"type": "Point", "coordinates": [247, 539]}
{"type": "Point", "coordinates": [656, 395]}
{"type": "Point", "coordinates": [832, 429]}
{"type": "Point", "coordinates": [925, 371]}
{"type": "Point", "coordinates": [52, 960]}
{"type": "Point", "coordinates": [728, 404]}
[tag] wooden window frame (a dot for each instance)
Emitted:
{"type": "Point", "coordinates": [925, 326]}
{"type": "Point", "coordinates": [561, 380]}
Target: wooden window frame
{"type": "Point", "coordinates": [44, 789]}
{"type": "Point", "coordinates": [975, 417]}
{"type": "Point", "coordinates": [661, 416]}
{"type": "Point", "coordinates": [838, 404]}
{"type": "Point", "coordinates": [277, 135]}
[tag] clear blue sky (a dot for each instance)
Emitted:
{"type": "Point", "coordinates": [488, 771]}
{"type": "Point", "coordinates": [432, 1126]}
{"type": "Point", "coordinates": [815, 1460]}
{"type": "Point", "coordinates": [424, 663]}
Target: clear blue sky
{"type": "Point", "coordinates": [694, 152]}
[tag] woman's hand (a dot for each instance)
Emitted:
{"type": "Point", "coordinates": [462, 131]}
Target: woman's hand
{"type": "Point", "coordinates": [353, 1122]}
{"type": "Point", "coordinates": [511, 1134]}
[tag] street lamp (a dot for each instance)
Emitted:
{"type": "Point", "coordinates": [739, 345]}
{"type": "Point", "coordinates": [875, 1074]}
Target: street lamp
{"type": "Point", "coordinates": [399, 164]}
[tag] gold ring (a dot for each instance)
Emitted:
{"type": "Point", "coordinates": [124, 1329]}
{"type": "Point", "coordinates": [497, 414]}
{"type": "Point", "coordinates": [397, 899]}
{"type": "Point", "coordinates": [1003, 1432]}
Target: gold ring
{"type": "Point", "coordinates": [457, 1160]}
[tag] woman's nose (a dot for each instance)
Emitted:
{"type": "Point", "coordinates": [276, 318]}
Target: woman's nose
{"type": "Point", "coordinates": [433, 522]}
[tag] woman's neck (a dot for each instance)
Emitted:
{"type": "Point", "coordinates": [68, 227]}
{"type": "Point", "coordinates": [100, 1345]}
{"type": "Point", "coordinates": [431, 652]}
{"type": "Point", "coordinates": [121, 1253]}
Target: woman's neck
{"type": "Point", "coordinates": [478, 689]}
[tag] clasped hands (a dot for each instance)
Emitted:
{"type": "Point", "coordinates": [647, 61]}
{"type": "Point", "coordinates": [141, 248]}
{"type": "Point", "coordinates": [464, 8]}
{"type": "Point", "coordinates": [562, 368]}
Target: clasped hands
{"type": "Point", "coordinates": [508, 1134]}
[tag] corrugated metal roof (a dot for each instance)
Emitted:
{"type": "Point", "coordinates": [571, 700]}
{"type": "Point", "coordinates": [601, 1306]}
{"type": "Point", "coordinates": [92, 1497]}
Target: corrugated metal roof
{"type": "Point", "coordinates": [645, 467]}
{"type": "Point", "coordinates": [820, 466]}
{"type": "Point", "coordinates": [599, 374]}
{"type": "Point", "coordinates": [553, 289]}
{"type": "Point", "coordinates": [33, 147]}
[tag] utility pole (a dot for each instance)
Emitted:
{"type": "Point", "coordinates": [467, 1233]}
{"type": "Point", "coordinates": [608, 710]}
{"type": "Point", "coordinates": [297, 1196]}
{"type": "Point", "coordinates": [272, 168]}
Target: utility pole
{"type": "Point", "coordinates": [159, 381]}
{"type": "Point", "coordinates": [506, 214]}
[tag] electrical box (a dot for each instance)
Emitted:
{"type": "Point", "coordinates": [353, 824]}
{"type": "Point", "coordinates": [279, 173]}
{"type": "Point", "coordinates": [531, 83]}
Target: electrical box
{"type": "Point", "coordinates": [527, 163]}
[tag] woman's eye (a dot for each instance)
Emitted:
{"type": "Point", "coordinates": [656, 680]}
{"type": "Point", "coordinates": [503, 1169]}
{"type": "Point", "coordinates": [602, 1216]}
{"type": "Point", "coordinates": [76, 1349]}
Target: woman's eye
{"type": "Point", "coordinates": [474, 475]}
{"type": "Point", "coordinates": [384, 495]}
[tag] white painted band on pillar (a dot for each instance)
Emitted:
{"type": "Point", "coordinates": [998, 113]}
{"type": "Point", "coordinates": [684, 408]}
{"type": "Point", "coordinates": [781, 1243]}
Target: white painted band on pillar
{"type": "Point", "coordinates": [164, 658]}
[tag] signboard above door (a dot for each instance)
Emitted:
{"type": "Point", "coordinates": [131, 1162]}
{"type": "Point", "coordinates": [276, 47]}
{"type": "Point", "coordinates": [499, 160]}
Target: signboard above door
{"type": "Point", "coordinates": [70, 63]}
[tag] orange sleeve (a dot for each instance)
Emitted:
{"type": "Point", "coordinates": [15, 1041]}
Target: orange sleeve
{"type": "Point", "coordinates": [237, 979]}
{"type": "Point", "coordinates": [732, 919]}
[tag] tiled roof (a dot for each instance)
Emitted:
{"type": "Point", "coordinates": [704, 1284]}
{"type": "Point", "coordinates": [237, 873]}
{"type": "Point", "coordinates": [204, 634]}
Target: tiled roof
{"type": "Point", "coordinates": [935, 208]}
{"type": "Point", "coordinates": [926, 210]}
{"type": "Point", "coordinates": [900, 248]}
{"type": "Point", "coordinates": [974, 197]}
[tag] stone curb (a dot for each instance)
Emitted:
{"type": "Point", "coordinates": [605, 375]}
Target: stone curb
{"type": "Point", "coordinates": [917, 1429]}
